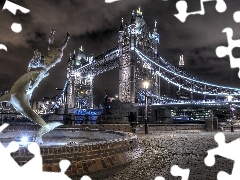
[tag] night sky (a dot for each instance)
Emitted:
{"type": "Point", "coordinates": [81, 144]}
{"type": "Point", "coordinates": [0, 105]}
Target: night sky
{"type": "Point", "coordinates": [94, 25]}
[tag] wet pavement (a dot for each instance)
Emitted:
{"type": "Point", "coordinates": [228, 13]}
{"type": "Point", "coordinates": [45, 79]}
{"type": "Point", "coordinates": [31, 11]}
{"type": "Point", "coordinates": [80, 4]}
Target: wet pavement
{"type": "Point", "coordinates": [161, 151]}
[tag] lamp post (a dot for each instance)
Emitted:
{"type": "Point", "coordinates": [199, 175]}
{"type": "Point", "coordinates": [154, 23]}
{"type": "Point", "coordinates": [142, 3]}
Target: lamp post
{"type": "Point", "coordinates": [58, 89]}
{"type": "Point", "coordinates": [91, 92]}
{"type": "Point", "coordinates": [145, 86]}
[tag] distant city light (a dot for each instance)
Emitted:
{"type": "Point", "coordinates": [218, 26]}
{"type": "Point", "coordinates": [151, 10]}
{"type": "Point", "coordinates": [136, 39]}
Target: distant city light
{"type": "Point", "coordinates": [145, 84]}
{"type": "Point", "coordinates": [229, 98]}
{"type": "Point", "coordinates": [24, 139]}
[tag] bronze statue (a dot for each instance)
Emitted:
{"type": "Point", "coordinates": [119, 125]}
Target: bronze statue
{"type": "Point", "coordinates": [22, 89]}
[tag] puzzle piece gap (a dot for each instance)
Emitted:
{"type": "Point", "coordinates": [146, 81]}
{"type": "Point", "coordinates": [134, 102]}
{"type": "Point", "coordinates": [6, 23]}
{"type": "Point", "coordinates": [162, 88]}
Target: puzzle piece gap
{"type": "Point", "coordinates": [157, 178]}
{"type": "Point", "coordinates": [3, 47]}
{"type": "Point", "coordinates": [177, 171]}
{"type": "Point", "coordinates": [16, 27]}
{"type": "Point", "coordinates": [182, 7]}
{"type": "Point", "coordinates": [12, 7]}
{"type": "Point", "coordinates": [85, 177]}
{"type": "Point", "coordinates": [222, 51]}
{"type": "Point", "coordinates": [227, 150]}
{"type": "Point", "coordinates": [236, 16]}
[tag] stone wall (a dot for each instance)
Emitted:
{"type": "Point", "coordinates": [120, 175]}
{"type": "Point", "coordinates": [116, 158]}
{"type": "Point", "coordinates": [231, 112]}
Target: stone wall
{"type": "Point", "coordinates": [128, 128]}
{"type": "Point", "coordinates": [107, 127]}
{"type": "Point", "coordinates": [121, 127]}
{"type": "Point", "coordinates": [85, 158]}
{"type": "Point", "coordinates": [171, 127]}
{"type": "Point", "coordinates": [22, 128]}
{"type": "Point", "coordinates": [120, 111]}
{"type": "Point", "coordinates": [55, 117]}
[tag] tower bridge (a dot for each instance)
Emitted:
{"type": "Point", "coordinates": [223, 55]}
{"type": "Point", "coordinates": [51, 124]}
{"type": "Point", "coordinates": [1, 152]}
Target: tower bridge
{"type": "Point", "coordinates": [138, 60]}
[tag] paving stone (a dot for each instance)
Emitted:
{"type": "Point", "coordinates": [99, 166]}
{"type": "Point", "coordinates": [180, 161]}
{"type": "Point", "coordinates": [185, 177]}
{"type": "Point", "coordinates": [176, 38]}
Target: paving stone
{"type": "Point", "coordinates": [161, 151]}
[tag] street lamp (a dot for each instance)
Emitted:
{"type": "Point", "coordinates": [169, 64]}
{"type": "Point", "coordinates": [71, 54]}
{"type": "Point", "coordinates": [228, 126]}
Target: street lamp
{"type": "Point", "coordinates": [145, 86]}
{"type": "Point", "coordinates": [91, 91]}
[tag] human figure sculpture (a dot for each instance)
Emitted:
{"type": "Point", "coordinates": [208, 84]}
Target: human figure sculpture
{"type": "Point", "coordinates": [22, 89]}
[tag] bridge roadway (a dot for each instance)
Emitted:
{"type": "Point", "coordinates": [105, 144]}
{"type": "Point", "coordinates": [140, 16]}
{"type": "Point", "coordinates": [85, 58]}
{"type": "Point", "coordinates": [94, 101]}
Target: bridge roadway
{"type": "Point", "coordinates": [209, 103]}
{"type": "Point", "coordinates": [201, 103]}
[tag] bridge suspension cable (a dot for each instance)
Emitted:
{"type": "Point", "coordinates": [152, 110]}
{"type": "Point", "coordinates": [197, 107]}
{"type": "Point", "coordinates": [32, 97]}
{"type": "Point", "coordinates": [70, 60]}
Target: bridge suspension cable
{"type": "Point", "coordinates": [190, 83]}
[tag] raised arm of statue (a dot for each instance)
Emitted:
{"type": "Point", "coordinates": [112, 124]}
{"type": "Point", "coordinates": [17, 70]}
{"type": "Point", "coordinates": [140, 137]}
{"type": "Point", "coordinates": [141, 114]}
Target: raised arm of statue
{"type": "Point", "coordinates": [51, 39]}
{"type": "Point", "coordinates": [66, 41]}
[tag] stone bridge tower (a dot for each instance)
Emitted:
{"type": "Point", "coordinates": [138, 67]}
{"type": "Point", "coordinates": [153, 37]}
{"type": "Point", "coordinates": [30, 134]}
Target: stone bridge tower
{"type": "Point", "coordinates": [132, 71]}
{"type": "Point", "coordinates": [80, 83]}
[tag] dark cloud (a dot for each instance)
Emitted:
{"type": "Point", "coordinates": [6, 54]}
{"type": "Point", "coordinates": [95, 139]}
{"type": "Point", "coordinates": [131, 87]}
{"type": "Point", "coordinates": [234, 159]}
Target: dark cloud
{"type": "Point", "coordinates": [94, 25]}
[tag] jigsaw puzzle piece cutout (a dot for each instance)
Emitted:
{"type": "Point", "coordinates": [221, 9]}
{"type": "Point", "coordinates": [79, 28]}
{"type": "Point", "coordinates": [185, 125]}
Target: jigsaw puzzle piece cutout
{"type": "Point", "coordinates": [3, 47]}
{"type": "Point", "coordinates": [159, 178]}
{"type": "Point", "coordinates": [5, 153]}
{"type": "Point", "coordinates": [222, 51]}
{"type": "Point", "coordinates": [34, 165]}
{"type": "Point", "coordinates": [223, 149]}
{"type": "Point", "coordinates": [85, 177]}
{"type": "Point", "coordinates": [64, 164]}
{"type": "Point", "coordinates": [182, 11]}
{"type": "Point", "coordinates": [111, 1]}
{"type": "Point", "coordinates": [7, 163]}
{"type": "Point", "coordinates": [182, 7]}
{"type": "Point", "coordinates": [227, 150]}
{"type": "Point", "coordinates": [12, 7]}
{"type": "Point", "coordinates": [32, 169]}
{"type": "Point", "coordinates": [223, 176]}
{"type": "Point", "coordinates": [177, 171]}
{"type": "Point", "coordinates": [220, 6]}
{"type": "Point", "coordinates": [236, 16]}
{"type": "Point", "coordinates": [210, 159]}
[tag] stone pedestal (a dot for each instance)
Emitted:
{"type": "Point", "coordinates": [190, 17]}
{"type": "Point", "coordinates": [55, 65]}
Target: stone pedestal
{"type": "Point", "coordinates": [38, 140]}
{"type": "Point", "coordinates": [215, 124]}
{"type": "Point", "coordinates": [209, 124]}
{"type": "Point", "coordinates": [119, 111]}
{"type": "Point", "coordinates": [60, 110]}
{"type": "Point", "coordinates": [165, 115]}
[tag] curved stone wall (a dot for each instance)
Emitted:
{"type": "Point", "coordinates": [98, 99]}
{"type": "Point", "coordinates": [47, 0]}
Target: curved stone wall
{"type": "Point", "coordinates": [111, 127]}
{"type": "Point", "coordinates": [121, 127]}
{"type": "Point", "coordinates": [88, 157]}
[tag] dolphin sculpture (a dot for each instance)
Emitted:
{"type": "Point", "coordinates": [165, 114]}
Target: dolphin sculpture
{"type": "Point", "coordinates": [22, 89]}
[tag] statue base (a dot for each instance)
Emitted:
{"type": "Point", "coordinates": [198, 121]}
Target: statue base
{"type": "Point", "coordinates": [48, 127]}
{"type": "Point", "coordinates": [38, 140]}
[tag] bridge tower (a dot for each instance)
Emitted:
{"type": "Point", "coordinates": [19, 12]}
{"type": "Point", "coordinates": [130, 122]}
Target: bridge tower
{"type": "Point", "coordinates": [80, 83]}
{"type": "Point", "coordinates": [155, 36]}
{"type": "Point", "coordinates": [181, 67]}
{"type": "Point", "coordinates": [132, 71]}
{"type": "Point", "coordinates": [181, 63]}
{"type": "Point", "coordinates": [70, 85]}
{"type": "Point", "coordinates": [126, 62]}
{"type": "Point", "coordinates": [181, 93]}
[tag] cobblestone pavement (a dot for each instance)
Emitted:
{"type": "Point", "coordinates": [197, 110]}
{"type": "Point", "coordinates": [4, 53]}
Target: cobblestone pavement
{"type": "Point", "coordinates": [162, 150]}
